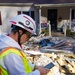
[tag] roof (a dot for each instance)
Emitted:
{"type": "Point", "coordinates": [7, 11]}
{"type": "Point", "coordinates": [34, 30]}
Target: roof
{"type": "Point", "coordinates": [17, 1]}
{"type": "Point", "coordinates": [37, 1]}
{"type": "Point", "coordinates": [54, 1]}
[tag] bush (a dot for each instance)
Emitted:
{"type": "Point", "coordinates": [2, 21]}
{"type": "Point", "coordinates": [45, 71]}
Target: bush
{"type": "Point", "coordinates": [73, 34]}
{"type": "Point", "coordinates": [68, 32]}
{"type": "Point", "coordinates": [46, 31]}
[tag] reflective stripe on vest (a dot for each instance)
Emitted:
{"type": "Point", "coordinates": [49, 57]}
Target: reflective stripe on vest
{"type": "Point", "coordinates": [18, 52]}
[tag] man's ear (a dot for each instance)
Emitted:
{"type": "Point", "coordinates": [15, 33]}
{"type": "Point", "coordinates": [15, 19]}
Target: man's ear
{"type": "Point", "coordinates": [20, 31]}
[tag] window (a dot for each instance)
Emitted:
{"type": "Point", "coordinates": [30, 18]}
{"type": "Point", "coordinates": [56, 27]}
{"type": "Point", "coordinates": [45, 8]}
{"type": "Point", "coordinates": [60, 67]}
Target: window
{"type": "Point", "coordinates": [26, 12]}
{"type": "Point", "coordinates": [33, 15]}
{"type": "Point", "coordinates": [30, 13]}
{"type": "Point", "coordinates": [73, 14]}
{"type": "Point", "coordinates": [19, 12]}
{"type": "Point", "coordinates": [0, 19]}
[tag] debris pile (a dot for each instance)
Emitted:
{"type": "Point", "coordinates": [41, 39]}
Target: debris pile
{"type": "Point", "coordinates": [58, 51]}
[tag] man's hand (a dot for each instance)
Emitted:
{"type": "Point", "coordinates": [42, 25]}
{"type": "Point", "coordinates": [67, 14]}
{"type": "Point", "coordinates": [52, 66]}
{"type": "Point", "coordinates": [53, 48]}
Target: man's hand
{"type": "Point", "coordinates": [43, 71]}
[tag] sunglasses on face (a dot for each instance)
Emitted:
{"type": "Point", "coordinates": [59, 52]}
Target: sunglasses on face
{"type": "Point", "coordinates": [29, 35]}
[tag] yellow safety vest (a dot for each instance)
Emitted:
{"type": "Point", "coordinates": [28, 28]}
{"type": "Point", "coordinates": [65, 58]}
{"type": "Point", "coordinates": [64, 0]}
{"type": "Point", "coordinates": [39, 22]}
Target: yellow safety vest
{"type": "Point", "coordinates": [18, 52]}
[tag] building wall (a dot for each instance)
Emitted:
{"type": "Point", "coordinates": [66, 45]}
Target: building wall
{"type": "Point", "coordinates": [64, 12]}
{"type": "Point", "coordinates": [44, 15]}
{"type": "Point", "coordinates": [8, 12]}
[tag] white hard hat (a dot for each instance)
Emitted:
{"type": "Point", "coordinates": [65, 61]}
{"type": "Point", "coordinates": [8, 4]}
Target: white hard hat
{"type": "Point", "coordinates": [24, 21]}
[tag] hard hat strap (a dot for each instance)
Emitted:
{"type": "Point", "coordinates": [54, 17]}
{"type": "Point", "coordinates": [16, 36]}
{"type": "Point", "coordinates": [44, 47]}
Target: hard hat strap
{"type": "Point", "coordinates": [19, 37]}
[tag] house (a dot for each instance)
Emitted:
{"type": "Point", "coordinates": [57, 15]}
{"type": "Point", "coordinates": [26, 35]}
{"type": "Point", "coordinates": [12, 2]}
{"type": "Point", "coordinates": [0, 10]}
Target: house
{"type": "Point", "coordinates": [58, 12]}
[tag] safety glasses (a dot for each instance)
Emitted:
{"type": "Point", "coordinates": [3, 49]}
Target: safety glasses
{"type": "Point", "coordinates": [29, 35]}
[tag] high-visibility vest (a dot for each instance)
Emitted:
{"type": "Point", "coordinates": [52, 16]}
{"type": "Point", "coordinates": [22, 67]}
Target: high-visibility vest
{"type": "Point", "coordinates": [19, 53]}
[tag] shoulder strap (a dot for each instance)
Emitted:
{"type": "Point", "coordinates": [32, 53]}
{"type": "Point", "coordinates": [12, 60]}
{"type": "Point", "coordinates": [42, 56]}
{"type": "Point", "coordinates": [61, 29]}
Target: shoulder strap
{"type": "Point", "coordinates": [9, 50]}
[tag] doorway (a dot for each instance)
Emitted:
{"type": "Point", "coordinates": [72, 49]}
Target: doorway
{"type": "Point", "coordinates": [52, 17]}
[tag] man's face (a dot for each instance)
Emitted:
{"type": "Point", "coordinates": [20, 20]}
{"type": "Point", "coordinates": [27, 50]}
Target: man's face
{"type": "Point", "coordinates": [25, 37]}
